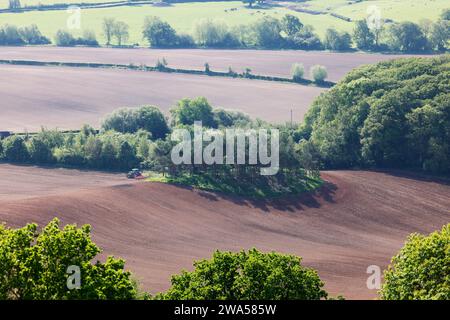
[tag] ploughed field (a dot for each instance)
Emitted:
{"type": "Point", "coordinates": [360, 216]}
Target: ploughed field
{"type": "Point", "coordinates": [263, 62]}
{"type": "Point", "coordinates": [67, 98]}
{"type": "Point", "coordinates": [357, 219]}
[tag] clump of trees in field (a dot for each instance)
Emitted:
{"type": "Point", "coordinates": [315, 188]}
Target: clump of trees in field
{"type": "Point", "coordinates": [140, 137]}
{"type": "Point", "coordinates": [67, 39]}
{"type": "Point", "coordinates": [393, 114]}
{"type": "Point", "coordinates": [404, 36]}
{"type": "Point", "coordinates": [12, 36]}
{"type": "Point", "coordinates": [34, 265]}
{"type": "Point", "coordinates": [115, 30]}
{"type": "Point", "coordinates": [14, 4]}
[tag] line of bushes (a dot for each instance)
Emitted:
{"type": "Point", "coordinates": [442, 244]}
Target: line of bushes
{"type": "Point", "coordinates": [318, 73]}
{"type": "Point", "coordinates": [12, 36]}
{"type": "Point", "coordinates": [290, 33]}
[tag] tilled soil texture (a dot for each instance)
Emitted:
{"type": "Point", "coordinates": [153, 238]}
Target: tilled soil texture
{"type": "Point", "coordinates": [67, 98]}
{"type": "Point", "coordinates": [356, 220]}
{"type": "Point", "coordinates": [263, 62]}
{"type": "Point", "coordinates": [22, 182]}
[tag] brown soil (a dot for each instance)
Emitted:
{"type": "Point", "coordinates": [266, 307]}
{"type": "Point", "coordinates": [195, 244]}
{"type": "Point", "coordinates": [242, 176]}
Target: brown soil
{"type": "Point", "coordinates": [265, 62]}
{"type": "Point", "coordinates": [67, 98]}
{"type": "Point", "coordinates": [359, 219]}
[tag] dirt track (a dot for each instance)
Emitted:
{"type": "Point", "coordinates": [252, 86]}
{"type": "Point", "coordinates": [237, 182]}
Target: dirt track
{"type": "Point", "coordinates": [359, 219]}
{"type": "Point", "coordinates": [67, 98]}
{"type": "Point", "coordinates": [266, 62]}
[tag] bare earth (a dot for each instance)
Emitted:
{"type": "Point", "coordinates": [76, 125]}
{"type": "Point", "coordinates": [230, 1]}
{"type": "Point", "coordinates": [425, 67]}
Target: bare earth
{"type": "Point", "coordinates": [265, 62]}
{"type": "Point", "coordinates": [67, 98]}
{"type": "Point", "coordinates": [359, 219]}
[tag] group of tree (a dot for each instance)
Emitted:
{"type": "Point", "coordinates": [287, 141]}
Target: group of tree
{"type": "Point", "coordinates": [394, 114]}
{"type": "Point", "coordinates": [14, 4]}
{"type": "Point", "coordinates": [131, 138]}
{"type": "Point", "coordinates": [290, 33]}
{"type": "Point", "coordinates": [12, 36]}
{"type": "Point", "coordinates": [66, 39]}
{"type": "Point", "coordinates": [85, 149]}
{"type": "Point", "coordinates": [404, 36]}
{"type": "Point", "coordinates": [56, 263]}
{"type": "Point", "coordinates": [317, 73]}
{"type": "Point", "coordinates": [115, 30]}
{"type": "Point", "coordinates": [268, 32]}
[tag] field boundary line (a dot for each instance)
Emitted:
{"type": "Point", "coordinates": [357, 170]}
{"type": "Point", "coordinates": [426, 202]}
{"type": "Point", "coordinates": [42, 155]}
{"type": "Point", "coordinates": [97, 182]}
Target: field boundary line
{"type": "Point", "coordinates": [165, 69]}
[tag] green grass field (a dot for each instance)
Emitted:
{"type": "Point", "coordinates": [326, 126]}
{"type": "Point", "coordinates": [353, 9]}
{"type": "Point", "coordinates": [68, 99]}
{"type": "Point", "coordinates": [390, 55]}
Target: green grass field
{"type": "Point", "coordinates": [184, 15]}
{"type": "Point", "coordinates": [181, 16]}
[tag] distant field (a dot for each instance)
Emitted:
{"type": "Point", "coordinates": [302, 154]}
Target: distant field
{"type": "Point", "coordinates": [262, 62]}
{"type": "Point", "coordinates": [67, 98]}
{"type": "Point", "coordinates": [183, 16]}
{"type": "Point", "coordinates": [397, 10]}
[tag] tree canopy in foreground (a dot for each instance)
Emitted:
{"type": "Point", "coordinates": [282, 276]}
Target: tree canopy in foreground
{"type": "Point", "coordinates": [34, 265]}
{"type": "Point", "coordinates": [421, 270]}
{"type": "Point", "coordinates": [251, 275]}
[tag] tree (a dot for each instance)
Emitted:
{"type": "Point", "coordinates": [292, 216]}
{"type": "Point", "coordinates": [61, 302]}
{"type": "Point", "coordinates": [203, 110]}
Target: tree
{"type": "Point", "coordinates": [88, 39]}
{"type": "Point", "coordinates": [10, 35]}
{"type": "Point", "coordinates": [64, 39]}
{"type": "Point", "coordinates": [420, 271]}
{"type": "Point", "coordinates": [406, 37]}
{"type": "Point", "coordinates": [305, 39]}
{"type": "Point", "coordinates": [32, 35]}
{"type": "Point", "coordinates": [440, 35]}
{"type": "Point", "coordinates": [445, 15]}
{"type": "Point", "coordinates": [210, 33]}
{"type": "Point", "coordinates": [297, 71]}
{"type": "Point", "coordinates": [15, 149]}
{"type": "Point", "coordinates": [249, 2]}
{"type": "Point", "coordinates": [93, 151]}
{"type": "Point", "coordinates": [120, 32]}
{"type": "Point", "coordinates": [148, 118]}
{"type": "Point", "coordinates": [14, 4]}
{"type": "Point", "coordinates": [337, 41]}
{"type": "Point", "coordinates": [34, 265]}
{"type": "Point", "coordinates": [228, 118]}
{"type": "Point", "coordinates": [363, 36]}
{"type": "Point", "coordinates": [318, 73]}
{"type": "Point", "coordinates": [291, 25]}
{"type": "Point", "coordinates": [188, 111]}
{"type": "Point", "coordinates": [39, 151]}
{"type": "Point", "coordinates": [268, 32]}
{"type": "Point", "coordinates": [251, 275]}
{"type": "Point", "coordinates": [159, 33]}
{"type": "Point", "coordinates": [108, 26]}
{"type": "Point", "coordinates": [127, 156]}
